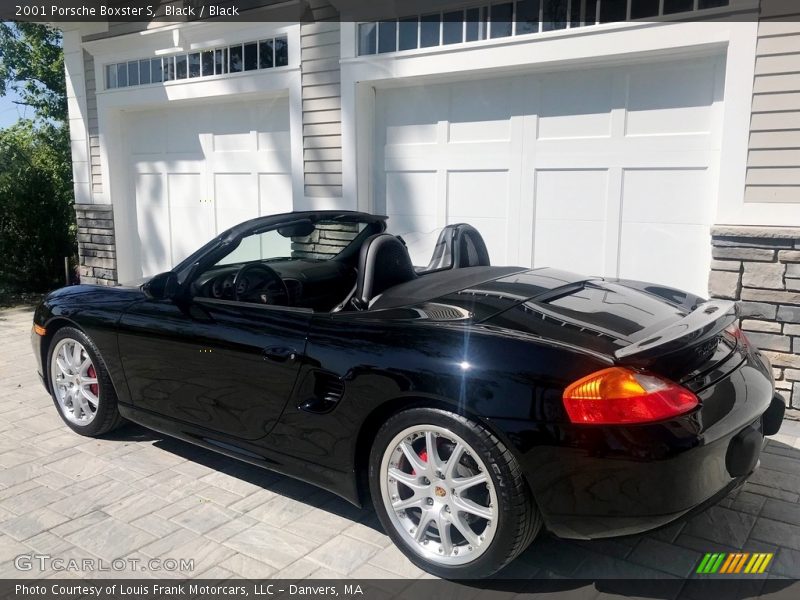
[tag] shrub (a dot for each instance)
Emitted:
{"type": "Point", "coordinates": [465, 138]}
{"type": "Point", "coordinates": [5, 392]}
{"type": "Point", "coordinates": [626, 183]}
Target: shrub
{"type": "Point", "coordinates": [37, 219]}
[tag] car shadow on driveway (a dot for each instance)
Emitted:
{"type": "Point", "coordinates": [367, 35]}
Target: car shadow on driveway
{"type": "Point", "coordinates": [761, 516]}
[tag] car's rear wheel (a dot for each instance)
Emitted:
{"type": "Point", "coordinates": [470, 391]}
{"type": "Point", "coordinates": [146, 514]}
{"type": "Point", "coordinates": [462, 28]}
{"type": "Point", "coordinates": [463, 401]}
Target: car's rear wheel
{"type": "Point", "coordinates": [450, 494]}
{"type": "Point", "coordinates": [80, 385]}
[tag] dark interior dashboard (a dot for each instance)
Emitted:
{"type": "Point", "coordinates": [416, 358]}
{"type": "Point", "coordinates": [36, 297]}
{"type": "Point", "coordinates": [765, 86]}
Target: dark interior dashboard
{"type": "Point", "coordinates": [310, 283]}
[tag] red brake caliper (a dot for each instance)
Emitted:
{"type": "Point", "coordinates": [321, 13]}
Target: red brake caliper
{"type": "Point", "coordinates": [423, 454]}
{"type": "Point", "coordinates": [93, 374]}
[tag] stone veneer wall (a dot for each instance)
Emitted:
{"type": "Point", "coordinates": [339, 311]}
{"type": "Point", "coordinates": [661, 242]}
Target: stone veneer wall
{"type": "Point", "coordinates": [325, 241]}
{"type": "Point", "coordinates": [96, 248]}
{"type": "Point", "coordinates": [760, 268]}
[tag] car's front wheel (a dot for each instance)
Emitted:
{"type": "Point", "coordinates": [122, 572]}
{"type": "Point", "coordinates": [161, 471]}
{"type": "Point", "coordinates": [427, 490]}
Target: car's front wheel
{"type": "Point", "coordinates": [449, 493]}
{"type": "Point", "coordinates": [80, 385]}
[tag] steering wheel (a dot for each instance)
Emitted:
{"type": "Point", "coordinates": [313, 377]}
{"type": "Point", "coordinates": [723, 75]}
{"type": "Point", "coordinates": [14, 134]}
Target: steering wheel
{"type": "Point", "coordinates": [271, 290]}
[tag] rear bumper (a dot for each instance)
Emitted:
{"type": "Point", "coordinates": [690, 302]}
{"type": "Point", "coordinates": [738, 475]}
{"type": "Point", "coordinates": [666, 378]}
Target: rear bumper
{"type": "Point", "coordinates": [594, 482]}
{"type": "Point", "coordinates": [577, 527]}
{"type": "Point", "coordinates": [602, 497]}
{"type": "Point", "coordinates": [773, 418]}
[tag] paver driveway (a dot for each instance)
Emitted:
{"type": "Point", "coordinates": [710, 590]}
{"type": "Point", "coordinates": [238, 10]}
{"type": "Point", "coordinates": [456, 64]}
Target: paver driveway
{"type": "Point", "coordinates": [139, 494]}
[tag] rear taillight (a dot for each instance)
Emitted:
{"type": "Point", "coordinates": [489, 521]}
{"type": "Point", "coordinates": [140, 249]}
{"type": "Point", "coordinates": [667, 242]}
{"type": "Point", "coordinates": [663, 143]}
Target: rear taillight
{"type": "Point", "coordinates": [619, 395]}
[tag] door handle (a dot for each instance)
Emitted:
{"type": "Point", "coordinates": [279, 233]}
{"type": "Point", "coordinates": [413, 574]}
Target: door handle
{"type": "Point", "coordinates": [279, 354]}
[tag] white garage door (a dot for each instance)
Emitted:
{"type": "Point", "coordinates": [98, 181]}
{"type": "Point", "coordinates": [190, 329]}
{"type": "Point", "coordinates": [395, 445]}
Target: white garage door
{"type": "Point", "coordinates": [198, 170]}
{"type": "Point", "coordinates": [610, 171]}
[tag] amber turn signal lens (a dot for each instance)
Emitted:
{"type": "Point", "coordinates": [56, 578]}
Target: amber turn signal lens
{"type": "Point", "coordinates": [618, 395]}
{"type": "Point", "coordinates": [39, 330]}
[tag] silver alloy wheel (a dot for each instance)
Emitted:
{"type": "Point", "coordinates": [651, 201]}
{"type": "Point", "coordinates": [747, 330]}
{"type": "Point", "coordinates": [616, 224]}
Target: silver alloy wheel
{"type": "Point", "coordinates": [438, 494]}
{"type": "Point", "coordinates": [74, 380]}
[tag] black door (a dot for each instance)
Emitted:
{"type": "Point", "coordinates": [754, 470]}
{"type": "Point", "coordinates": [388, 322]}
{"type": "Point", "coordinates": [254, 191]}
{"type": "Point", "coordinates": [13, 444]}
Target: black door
{"type": "Point", "coordinates": [227, 366]}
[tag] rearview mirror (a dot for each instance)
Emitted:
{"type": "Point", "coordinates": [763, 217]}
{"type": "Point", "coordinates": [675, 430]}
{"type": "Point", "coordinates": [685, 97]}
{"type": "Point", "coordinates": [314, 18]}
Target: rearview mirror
{"type": "Point", "coordinates": [163, 286]}
{"type": "Point", "coordinates": [297, 230]}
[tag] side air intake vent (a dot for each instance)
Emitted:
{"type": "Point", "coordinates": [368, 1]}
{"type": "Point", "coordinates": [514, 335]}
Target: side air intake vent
{"type": "Point", "coordinates": [333, 391]}
{"type": "Point", "coordinates": [328, 391]}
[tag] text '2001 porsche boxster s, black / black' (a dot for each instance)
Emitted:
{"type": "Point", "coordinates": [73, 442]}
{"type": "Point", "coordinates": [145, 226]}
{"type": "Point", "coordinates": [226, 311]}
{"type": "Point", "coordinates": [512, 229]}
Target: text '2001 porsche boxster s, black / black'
{"type": "Point", "coordinates": [473, 404]}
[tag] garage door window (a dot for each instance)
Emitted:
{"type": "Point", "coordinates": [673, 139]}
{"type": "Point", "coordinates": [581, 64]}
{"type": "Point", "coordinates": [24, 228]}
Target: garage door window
{"type": "Point", "coordinates": [506, 19]}
{"type": "Point", "coordinates": [249, 56]}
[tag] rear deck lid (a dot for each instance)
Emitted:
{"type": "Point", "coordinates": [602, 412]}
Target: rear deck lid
{"type": "Point", "coordinates": [661, 329]}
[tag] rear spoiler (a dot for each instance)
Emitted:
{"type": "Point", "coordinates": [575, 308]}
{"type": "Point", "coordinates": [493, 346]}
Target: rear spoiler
{"type": "Point", "coordinates": [706, 320]}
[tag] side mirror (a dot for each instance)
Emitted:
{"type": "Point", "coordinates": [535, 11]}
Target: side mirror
{"type": "Point", "coordinates": [163, 286]}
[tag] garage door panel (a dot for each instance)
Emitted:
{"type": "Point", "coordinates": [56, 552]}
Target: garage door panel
{"type": "Point", "coordinates": [671, 100]}
{"type": "Point", "coordinates": [189, 213]}
{"type": "Point", "coordinates": [265, 162]}
{"type": "Point", "coordinates": [411, 200]}
{"type": "Point", "coordinates": [470, 193]}
{"type": "Point", "coordinates": [484, 154]}
{"type": "Point", "coordinates": [152, 217]}
{"type": "Point", "coordinates": [575, 105]}
{"type": "Point", "coordinates": [413, 224]}
{"type": "Point", "coordinates": [275, 193]}
{"type": "Point", "coordinates": [688, 150]}
{"type": "Point", "coordinates": [667, 196]}
{"type": "Point", "coordinates": [219, 164]}
{"type": "Point", "coordinates": [184, 131]}
{"type": "Point", "coordinates": [666, 252]}
{"type": "Point", "coordinates": [571, 194]}
{"type": "Point", "coordinates": [417, 134]}
{"type": "Point", "coordinates": [411, 116]}
{"type": "Point", "coordinates": [411, 193]}
{"type": "Point", "coordinates": [572, 245]}
{"type": "Point", "coordinates": [481, 199]}
{"type": "Point", "coordinates": [480, 111]}
{"type": "Point", "coordinates": [156, 164]}
{"type": "Point", "coordinates": [570, 213]}
{"type": "Point", "coordinates": [253, 126]}
{"type": "Point", "coordinates": [236, 199]}
{"type": "Point", "coordinates": [276, 140]}
{"type": "Point", "coordinates": [420, 233]}
{"type": "Point", "coordinates": [234, 142]}
{"type": "Point", "coordinates": [148, 133]}
{"type": "Point", "coordinates": [564, 167]}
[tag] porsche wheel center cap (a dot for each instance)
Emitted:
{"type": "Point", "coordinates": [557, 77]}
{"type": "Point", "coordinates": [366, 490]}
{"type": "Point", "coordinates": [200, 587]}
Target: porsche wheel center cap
{"type": "Point", "coordinates": [439, 491]}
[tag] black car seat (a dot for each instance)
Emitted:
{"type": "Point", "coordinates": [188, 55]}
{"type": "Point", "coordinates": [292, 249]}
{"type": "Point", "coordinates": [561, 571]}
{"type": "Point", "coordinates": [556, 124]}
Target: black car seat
{"type": "Point", "coordinates": [459, 245]}
{"type": "Point", "coordinates": [383, 263]}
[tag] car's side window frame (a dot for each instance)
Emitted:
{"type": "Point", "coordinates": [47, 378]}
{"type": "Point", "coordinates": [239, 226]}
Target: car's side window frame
{"type": "Point", "coordinates": [240, 303]}
{"type": "Point", "coordinates": [193, 271]}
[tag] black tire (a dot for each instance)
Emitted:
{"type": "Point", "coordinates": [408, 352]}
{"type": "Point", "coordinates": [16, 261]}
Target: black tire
{"type": "Point", "coordinates": [519, 520]}
{"type": "Point", "coordinates": [107, 416]}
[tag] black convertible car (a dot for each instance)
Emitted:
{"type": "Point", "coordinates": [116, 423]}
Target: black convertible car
{"type": "Point", "coordinates": [474, 404]}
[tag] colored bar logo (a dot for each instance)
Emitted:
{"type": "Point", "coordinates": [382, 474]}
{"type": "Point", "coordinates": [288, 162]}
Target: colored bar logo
{"type": "Point", "coordinates": [734, 563]}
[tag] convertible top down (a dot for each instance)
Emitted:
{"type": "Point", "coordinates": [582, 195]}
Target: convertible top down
{"type": "Point", "coordinates": [475, 404]}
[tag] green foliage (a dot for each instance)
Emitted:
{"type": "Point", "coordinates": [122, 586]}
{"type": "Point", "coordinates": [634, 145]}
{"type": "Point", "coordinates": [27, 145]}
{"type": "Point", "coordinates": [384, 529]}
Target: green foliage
{"type": "Point", "coordinates": [32, 64]}
{"type": "Point", "coordinates": [37, 219]}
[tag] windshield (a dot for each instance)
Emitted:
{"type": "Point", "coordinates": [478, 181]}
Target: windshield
{"type": "Point", "coordinates": [323, 240]}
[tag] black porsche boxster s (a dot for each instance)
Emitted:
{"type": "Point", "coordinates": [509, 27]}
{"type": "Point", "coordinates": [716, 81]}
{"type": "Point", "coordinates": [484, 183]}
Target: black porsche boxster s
{"type": "Point", "coordinates": [474, 404]}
